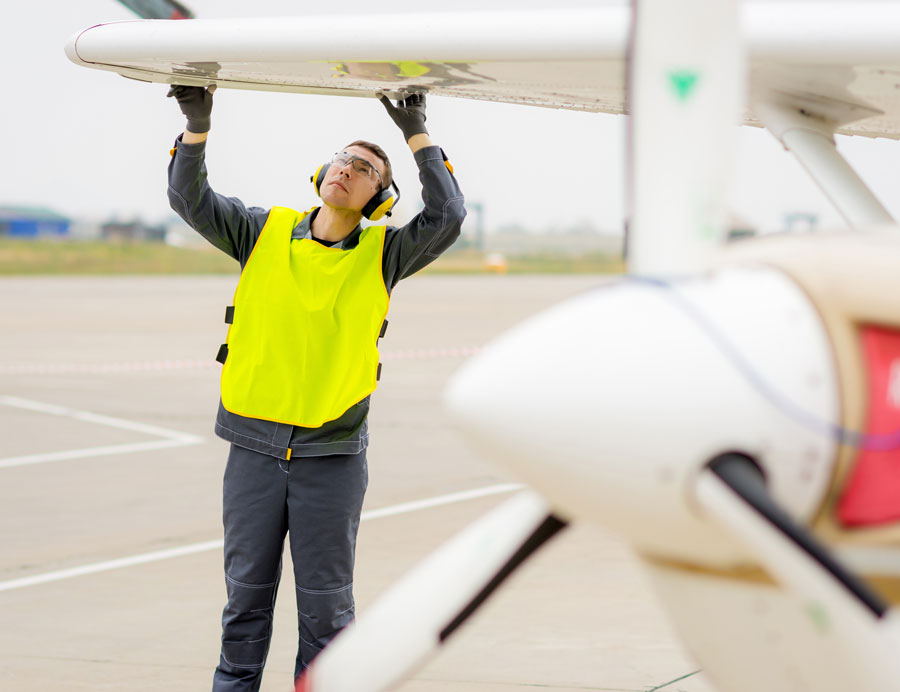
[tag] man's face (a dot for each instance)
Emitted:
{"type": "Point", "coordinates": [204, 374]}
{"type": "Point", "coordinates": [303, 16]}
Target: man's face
{"type": "Point", "coordinates": [346, 188]}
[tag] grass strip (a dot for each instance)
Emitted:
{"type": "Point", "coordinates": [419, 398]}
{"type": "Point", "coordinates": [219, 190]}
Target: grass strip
{"type": "Point", "coordinates": [56, 257]}
{"type": "Point", "coordinates": [33, 257]}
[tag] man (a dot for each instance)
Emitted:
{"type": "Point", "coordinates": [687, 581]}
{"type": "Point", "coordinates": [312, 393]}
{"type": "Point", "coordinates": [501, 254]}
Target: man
{"type": "Point", "coordinates": [299, 365]}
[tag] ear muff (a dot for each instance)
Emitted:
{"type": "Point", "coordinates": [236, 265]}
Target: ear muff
{"type": "Point", "coordinates": [380, 205]}
{"type": "Point", "coordinates": [318, 178]}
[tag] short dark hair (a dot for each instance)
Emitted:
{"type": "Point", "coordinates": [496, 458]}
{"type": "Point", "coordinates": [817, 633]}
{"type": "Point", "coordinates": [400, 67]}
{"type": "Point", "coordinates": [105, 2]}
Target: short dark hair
{"type": "Point", "coordinates": [379, 152]}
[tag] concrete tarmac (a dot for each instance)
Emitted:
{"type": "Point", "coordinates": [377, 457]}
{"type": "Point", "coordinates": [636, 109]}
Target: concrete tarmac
{"type": "Point", "coordinates": [108, 392]}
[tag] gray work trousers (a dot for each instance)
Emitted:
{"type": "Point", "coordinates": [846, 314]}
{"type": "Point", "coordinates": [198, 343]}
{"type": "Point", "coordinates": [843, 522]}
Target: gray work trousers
{"type": "Point", "coordinates": [317, 502]}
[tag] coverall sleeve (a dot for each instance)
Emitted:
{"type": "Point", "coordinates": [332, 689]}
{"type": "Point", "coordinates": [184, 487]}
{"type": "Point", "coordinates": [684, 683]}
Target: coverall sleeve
{"type": "Point", "coordinates": [223, 221]}
{"type": "Point", "coordinates": [409, 248]}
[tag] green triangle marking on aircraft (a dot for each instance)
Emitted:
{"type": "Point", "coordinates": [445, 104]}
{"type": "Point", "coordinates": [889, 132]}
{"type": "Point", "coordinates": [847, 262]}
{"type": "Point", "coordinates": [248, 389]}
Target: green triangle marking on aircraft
{"type": "Point", "coordinates": [683, 83]}
{"type": "Point", "coordinates": [819, 616]}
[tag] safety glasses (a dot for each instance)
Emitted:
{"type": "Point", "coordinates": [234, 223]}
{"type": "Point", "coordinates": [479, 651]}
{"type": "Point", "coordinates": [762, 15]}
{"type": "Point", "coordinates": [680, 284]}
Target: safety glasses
{"type": "Point", "coordinates": [361, 166]}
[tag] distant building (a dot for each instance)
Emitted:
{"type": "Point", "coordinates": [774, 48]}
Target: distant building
{"type": "Point", "coordinates": [132, 231]}
{"type": "Point", "coordinates": [31, 222]}
{"type": "Point", "coordinates": [179, 234]}
{"type": "Point", "coordinates": [522, 243]}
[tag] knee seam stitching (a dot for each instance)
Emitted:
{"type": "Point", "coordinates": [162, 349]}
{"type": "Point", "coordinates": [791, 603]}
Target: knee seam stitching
{"type": "Point", "coordinates": [310, 643]}
{"type": "Point", "coordinates": [323, 591]}
{"type": "Point", "coordinates": [249, 586]}
{"type": "Point", "coordinates": [346, 610]}
{"type": "Point", "coordinates": [242, 665]}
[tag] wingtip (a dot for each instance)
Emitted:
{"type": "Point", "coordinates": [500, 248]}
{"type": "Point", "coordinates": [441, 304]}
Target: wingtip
{"type": "Point", "coordinates": [71, 47]}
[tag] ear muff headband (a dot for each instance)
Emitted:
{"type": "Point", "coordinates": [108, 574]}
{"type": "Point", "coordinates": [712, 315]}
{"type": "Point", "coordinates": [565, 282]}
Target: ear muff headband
{"type": "Point", "coordinates": [380, 205]}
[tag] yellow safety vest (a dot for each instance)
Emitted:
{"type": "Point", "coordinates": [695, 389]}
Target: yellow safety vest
{"type": "Point", "coordinates": [302, 346]}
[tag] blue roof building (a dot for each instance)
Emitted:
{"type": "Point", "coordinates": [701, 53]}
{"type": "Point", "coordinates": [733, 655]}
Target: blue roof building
{"type": "Point", "coordinates": [31, 222]}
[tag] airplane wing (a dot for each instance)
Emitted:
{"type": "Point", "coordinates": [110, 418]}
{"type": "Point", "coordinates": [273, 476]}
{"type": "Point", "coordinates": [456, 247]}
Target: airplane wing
{"type": "Point", "coordinates": [846, 54]}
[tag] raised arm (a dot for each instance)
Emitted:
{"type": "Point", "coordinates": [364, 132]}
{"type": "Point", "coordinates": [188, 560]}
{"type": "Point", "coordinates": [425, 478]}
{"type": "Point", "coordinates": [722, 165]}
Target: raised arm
{"type": "Point", "coordinates": [223, 221]}
{"type": "Point", "coordinates": [430, 232]}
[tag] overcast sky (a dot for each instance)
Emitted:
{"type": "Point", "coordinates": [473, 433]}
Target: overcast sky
{"type": "Point", "coordinates": [90, 143]}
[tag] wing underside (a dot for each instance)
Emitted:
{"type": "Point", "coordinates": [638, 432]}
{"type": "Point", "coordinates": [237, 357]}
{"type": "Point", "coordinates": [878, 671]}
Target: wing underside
{"type": "Point", "coordinates": [843, 54]}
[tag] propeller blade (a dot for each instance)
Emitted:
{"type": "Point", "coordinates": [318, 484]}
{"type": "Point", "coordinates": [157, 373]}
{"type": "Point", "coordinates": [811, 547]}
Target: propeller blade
{"type": "Point", "coordinates": [408, 623]}
{"type": "Point", "coordinates": [854, 620]}
{"type": "Point", "coordinates": [685, 89]}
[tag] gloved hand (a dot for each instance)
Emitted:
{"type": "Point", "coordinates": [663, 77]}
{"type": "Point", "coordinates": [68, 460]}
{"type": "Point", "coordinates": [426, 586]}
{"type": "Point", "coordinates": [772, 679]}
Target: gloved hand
{"type": "Point", "coordinates": [409, 113]}
{"type": "Point", "coordinates": [196, 104]}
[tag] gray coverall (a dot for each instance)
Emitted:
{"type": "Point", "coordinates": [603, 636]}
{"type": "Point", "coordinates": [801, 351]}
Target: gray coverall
{"type": "Point", "coordinates": [316, 496]}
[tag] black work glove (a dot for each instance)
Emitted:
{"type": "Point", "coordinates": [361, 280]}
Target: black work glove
{"type": "Point", "coordinates": [409, 113]}
{"type": "Point", "coordinates": [196, 104]}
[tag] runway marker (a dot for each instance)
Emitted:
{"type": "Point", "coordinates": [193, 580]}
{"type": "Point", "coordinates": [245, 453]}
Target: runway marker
{"type": "Point", "coordinates": [101, 368]}
{"type": "Point", "coordinates": [171, 438]}
{"type": "Point", "coordinates": [159, 365]}
{"type": "Point", "coordinates": [156, 556]}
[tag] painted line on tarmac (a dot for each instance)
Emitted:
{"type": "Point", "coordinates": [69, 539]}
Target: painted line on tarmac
{"type": "Point", "coordinates": [171, 438]}
{"type": "Point", "coordinates": [161, 365]}
{"type": "Point", "coordinates": [415, 506]}
{"type": "Point", "coordinates": [109, 565]}
{"type": "Point", "coordinates": [89, 452]}
{"type": "Point", "coordinates": [193, 548]}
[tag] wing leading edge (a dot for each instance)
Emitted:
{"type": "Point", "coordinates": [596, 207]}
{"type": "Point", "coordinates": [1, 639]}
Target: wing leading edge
{"type": "Point", "coordinates": [838, 53]}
